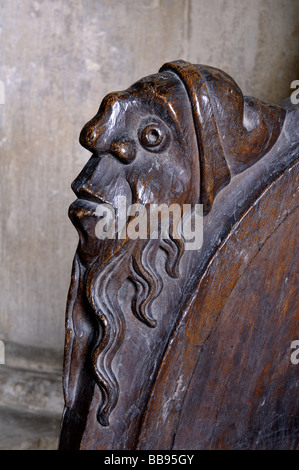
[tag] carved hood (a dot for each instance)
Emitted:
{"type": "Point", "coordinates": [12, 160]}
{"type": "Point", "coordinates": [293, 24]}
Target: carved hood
{"type": "Point", "coordinates": [233, 131]}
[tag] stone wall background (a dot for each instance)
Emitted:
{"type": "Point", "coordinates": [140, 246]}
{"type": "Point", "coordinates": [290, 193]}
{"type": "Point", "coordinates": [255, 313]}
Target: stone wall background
{"type": "Point", "coordinates": [58, 60]}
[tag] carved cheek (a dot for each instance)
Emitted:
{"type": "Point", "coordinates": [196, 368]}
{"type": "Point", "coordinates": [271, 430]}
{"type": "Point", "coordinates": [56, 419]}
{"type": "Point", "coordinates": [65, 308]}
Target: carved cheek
{"type": "Point", "coordinates": [177, 175]}
{"type": "Point", "coordinates": [105, 180]}
{"type": "Point", "coordinates": [159, 183]}
{"type": "Point", "coordinates": [145, 193]}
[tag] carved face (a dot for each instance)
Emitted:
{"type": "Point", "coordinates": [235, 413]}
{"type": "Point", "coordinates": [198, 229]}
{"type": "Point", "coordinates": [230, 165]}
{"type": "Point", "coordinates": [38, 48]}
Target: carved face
{"type": "Point", "coordinates": [144, 148]}
{"type": "Point", "coordinates": [174, 137]}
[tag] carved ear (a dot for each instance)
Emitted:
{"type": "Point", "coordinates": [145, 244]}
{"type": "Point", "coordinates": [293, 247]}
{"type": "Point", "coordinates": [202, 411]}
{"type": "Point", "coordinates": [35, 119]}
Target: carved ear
{"type": "Point", "coordinates": [233, 131]}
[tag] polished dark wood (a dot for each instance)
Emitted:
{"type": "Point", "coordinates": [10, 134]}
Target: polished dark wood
{"type": "Point", "coordinates": [168, 348]}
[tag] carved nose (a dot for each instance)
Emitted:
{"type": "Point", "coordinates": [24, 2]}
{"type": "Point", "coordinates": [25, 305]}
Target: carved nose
{"type": "Point", "coordinates": [99, 131]}
{"type": "Point", "coordinates": [124, 150]}
{"type": "Point", "coordinates": [92, 138]}
{"type": "Point", "coordinates": [90, 134]}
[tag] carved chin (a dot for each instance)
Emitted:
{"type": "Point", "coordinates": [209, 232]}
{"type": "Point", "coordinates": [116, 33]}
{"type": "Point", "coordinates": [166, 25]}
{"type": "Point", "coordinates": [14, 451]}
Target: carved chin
{"type": "Point", "coordinates": [83, 215]}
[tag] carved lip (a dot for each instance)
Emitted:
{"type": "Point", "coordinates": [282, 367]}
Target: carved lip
{"type": "Point", "coordinates": [81, 208]}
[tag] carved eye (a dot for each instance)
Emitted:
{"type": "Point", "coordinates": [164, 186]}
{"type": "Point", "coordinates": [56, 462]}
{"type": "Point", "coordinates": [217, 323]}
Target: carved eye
{"type": "Point", "coordinates": [152, 137]}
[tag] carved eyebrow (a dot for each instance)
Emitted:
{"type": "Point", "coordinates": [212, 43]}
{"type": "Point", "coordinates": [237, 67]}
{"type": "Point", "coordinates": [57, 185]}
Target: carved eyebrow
{"type": "Point", "coordinates": [174, 114]}
{"type": "Point", "coordinates": [114, 113]}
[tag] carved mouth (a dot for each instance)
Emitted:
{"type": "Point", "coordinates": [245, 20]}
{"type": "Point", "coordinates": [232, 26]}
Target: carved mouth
{"type": "Point", "coordinates": [82, 208]}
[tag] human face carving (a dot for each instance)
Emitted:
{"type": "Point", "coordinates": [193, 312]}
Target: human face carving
{"type": "Point", "coordinates": [142, 148]}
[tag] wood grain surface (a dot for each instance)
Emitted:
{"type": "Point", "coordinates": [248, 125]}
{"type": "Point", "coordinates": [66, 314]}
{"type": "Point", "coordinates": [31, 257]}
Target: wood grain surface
{"type": "Point", "coordinates": [169, 348]}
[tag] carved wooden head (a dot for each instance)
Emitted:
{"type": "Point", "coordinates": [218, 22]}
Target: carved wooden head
{"type": "Point", "coordinates": [178, 136]}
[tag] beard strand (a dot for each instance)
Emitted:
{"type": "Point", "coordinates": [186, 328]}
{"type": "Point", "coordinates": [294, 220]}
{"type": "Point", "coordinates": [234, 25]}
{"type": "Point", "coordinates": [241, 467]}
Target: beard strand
{"type": "Point", "coordinates": [111, 327]}
{"type": "Point", "coordinates": [134, 260]}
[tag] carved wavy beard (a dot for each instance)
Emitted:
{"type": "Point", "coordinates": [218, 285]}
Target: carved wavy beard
{"type": "Point", "coordinates": [118, 261]}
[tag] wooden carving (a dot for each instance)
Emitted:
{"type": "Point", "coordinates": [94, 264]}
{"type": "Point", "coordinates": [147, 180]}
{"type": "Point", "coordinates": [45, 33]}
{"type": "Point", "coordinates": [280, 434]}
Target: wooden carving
{"type": "Point", "coordinates": [168, 347]}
